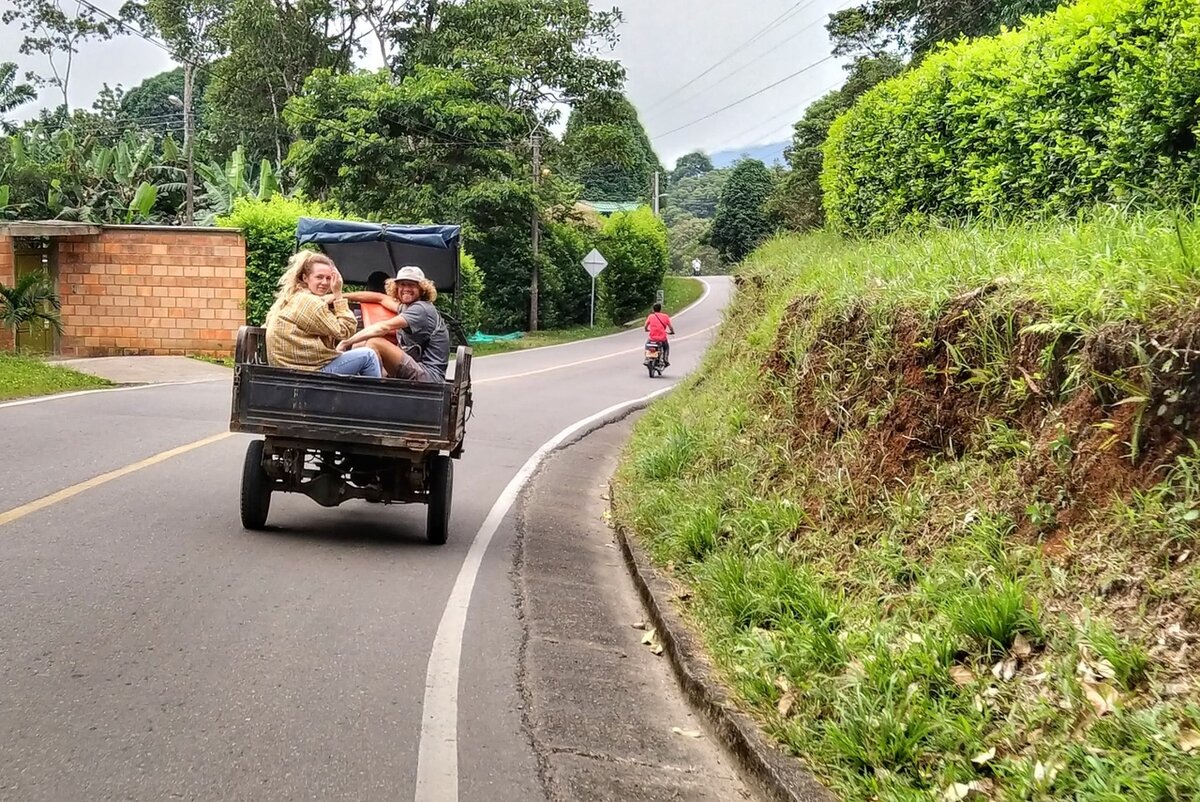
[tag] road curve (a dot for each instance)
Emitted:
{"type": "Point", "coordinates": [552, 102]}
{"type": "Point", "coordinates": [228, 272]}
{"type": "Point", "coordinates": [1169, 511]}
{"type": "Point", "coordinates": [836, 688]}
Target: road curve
{"type": "Point", "coordinates": [152, 649]}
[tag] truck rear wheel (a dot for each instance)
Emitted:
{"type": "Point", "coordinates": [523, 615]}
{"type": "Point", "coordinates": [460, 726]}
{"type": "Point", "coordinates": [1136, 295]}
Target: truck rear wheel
{"type": "Point", "coordinates": [441, 488]}
{"type": "Point", "coordinates": [256, 488]}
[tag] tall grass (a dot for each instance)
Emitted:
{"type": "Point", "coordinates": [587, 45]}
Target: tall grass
{"type": "Point", "coordinates": [915, 622]}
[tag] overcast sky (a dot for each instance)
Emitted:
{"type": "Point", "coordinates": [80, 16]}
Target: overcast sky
{"type": "Point", "coordinates": [665, 44]}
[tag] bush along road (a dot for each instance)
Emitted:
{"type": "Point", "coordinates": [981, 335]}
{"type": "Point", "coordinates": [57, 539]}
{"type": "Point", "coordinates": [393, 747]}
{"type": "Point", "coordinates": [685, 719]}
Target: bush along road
{"type": "Point", "coordinates": [935, 500]}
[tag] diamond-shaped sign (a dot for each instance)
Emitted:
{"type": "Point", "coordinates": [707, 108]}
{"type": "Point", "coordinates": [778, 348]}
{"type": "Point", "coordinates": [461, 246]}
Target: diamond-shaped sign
{"type": "Point", "coordinates": [594, 263]}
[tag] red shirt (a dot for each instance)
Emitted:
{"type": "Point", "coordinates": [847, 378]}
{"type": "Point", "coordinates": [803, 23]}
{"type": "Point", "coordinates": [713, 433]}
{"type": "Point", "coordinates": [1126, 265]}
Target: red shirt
{"type": "Point", "coordinates": [657, 324]}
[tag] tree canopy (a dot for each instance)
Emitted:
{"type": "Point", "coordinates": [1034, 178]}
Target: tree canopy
{"type": "Point", "coordinates": [607, 151]}
{"type": "Point", "coordinates": [742, 222]}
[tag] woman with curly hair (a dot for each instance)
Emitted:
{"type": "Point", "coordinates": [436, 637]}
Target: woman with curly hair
{"type": "Point", "coordinates": [310, 315]}
{"type": "Point", "coordinates": [413, 345]}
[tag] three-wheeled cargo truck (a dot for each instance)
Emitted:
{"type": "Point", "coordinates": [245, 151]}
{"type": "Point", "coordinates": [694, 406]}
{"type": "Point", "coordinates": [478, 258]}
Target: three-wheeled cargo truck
{"type": "Point", "coordinates": [336, 438]}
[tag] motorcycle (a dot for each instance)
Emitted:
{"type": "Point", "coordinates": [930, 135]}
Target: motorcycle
{"type": "Point", "coordinates": [654, 359]}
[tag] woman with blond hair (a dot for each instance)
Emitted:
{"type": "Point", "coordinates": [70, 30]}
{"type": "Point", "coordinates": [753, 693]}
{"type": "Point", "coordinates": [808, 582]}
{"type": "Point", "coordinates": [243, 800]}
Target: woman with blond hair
{"type": "Point", "coordinates": [413, 345]}
{"type": "Point", "coordinates": [310, 316]}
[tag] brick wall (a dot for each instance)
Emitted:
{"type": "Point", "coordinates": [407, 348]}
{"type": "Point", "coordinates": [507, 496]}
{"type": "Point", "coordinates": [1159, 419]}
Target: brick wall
{"type": "Point", "coordinates": [7, 275]}
{"type": "Point", "coordinates": [139, 290]}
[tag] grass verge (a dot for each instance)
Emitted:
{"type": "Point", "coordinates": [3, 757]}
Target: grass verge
{"type": "Point", "coordinates": [936, 500]}
{"type": "Point", "coordinates": [26, 376]}
{"type": "Point", "coordinates": [679, 292]}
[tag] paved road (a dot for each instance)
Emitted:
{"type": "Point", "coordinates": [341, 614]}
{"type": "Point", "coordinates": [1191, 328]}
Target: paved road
{"type": "Point", "coordinates": [152, 649]}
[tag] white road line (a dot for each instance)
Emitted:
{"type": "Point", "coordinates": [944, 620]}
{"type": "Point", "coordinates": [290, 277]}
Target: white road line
{"type": "Point", "coordinates": [623, 352]}
{"type": "Point", "coordinates": [437, 756]}
{"type": "Point", "coordinates": [680, 313]}
{"type": "Point", "coordinates": [60, 396]}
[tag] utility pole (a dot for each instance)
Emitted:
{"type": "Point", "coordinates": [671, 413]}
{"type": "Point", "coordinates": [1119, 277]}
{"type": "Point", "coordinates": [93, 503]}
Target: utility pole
{"type": "Point", "coordinates": [186, 105]}
{"type": "Point", "coordinates": [654, 200]}
{"type": "Point", "coordinates": [536, 141]}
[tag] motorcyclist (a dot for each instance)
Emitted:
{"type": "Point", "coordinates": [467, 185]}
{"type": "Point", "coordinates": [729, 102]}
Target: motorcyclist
{"type": "Point", "coordinates": [658, 324]}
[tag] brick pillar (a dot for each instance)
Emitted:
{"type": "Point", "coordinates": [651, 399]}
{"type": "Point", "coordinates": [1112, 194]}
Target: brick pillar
{"type": "Point", "coordinates": [7, 278]}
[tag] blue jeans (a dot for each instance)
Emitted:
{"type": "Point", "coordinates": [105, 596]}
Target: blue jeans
{"type": "Point", "coordinates": [356, 362]}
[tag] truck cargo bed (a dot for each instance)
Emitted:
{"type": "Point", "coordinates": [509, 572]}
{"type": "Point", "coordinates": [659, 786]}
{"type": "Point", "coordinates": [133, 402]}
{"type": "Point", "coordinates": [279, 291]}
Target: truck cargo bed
{"type": "Point", "coordinates": [320, 407]}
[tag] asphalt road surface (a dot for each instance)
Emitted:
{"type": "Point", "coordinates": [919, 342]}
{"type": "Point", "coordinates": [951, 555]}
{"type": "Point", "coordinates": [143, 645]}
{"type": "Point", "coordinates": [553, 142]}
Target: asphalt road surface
{"type": "Point", "coordinates": [151, 649]}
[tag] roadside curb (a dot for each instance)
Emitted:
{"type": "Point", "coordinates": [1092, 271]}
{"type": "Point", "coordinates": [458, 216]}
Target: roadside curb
{"type": "Point", "coordinates": [778, 777]}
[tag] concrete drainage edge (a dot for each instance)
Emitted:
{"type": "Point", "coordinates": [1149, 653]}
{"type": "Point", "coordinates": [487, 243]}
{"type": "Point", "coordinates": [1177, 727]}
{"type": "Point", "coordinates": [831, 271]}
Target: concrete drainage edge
{"type": "Point", "coordinates": [776, 775]}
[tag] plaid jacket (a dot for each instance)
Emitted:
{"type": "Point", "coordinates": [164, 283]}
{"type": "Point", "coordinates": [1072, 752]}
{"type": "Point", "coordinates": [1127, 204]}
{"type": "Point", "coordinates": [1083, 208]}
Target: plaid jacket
{"type": "Point", "coordinates": [304, 333]}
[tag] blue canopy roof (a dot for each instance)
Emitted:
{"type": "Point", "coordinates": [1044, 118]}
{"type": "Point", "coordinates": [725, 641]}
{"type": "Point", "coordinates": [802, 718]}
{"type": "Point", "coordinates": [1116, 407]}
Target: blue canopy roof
{"type": "Point", "coordinates": [320, 231]}
{"type": "Point", "coordinates": [363, 249]}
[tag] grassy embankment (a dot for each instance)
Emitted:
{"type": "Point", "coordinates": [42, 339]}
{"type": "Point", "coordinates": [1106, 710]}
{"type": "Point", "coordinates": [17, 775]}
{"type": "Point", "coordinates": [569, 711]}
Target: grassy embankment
{"type": "Point", "coordinates": [679, 292]}
{"type": "Point", "coordinates": [936, 500]}
{"type": "Point", "coordinates": [24, 376]}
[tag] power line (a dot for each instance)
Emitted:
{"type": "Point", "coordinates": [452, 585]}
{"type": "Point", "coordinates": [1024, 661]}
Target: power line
{"type": "Point", "coordinates": [742, 100]}
{"type": "Point", "coordinates": [767, 52]}
{"type": "Point", "coordinates": [976, 7]}
{"type": "Point", "coordinates": [794, 9]}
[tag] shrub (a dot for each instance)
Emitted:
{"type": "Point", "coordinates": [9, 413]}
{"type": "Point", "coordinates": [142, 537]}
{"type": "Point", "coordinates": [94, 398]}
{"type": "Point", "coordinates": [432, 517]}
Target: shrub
{"type": "Point", "coordinates": [270, 231]}
{"type": "Point", "coordinates": [1094, 102]}
{"type": "Point", "coordinates": [635, 245]}
{"type": "Point", "coordinates": [468, 299]}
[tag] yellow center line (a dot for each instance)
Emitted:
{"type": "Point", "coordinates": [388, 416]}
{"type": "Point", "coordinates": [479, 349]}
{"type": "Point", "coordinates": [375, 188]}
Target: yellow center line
{"type": "Point", "coordinates": [74, 490]}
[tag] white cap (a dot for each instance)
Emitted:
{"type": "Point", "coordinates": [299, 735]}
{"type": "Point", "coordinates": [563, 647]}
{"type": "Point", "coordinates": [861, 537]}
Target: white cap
{"type": "Point", "coordinates": [410, 273]}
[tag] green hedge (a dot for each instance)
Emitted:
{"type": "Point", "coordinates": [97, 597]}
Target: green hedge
{"type": "Point", "coordinates": [635, 245]}
{"type": "Point", "coordinates": [270, 231]}
{"type": "Point", "coordinates": [1094, 102]}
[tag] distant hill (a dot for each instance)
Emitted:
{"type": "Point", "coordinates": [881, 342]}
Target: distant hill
{"type": "Point", "coordinates": [767, 154]}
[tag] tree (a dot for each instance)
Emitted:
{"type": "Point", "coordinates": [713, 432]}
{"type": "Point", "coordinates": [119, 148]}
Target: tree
{"type": "Point", "coordinates": [527, 55]}
{"type": "Point", "coordinates": [635, 244]}
{"type": "Point", "coordinates": [690, 165]}
{"type": "Point", "coordinates": [696, 196]}
{"type": "Point", "coordinates": [797, 202]}
{"type": "Point", "coordinates": [148, 107]}
{"type": "Point", "coordinates": [12, 94]}
{"type": "Point", "coordinates": [912, 28]}
{"type": "Point", "coordinates": [272, 48]}
{"type": "Point", "coordinates": [606, 149]}
{"type": "Point", "coordinates": [56, 34]}
{"type": "Point", "coordinates": [687, 239]}
{"type": "Point", "coordinates": [742, 221]}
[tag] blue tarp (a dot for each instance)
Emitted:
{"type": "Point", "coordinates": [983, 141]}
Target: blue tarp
{"type": "Point", "coordinates": [361, 249]}
{"type": "Point", "coordinates": [320, 231]}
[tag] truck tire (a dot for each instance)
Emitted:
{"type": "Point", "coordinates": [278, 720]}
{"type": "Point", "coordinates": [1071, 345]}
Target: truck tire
{"type": "Point", "coordinates": [256, 488]}
{"type": "Point", "coordinates": [441, 489]}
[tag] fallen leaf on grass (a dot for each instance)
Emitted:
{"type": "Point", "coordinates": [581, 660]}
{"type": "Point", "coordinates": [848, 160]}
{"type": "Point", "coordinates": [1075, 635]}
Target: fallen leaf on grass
{"type": "Point", "coordinates": [957, 792]}
{"type": "Point", "coordinates": [1043, 775]}
{"type": "Point", "coordinates": [1103, 698]}
{"type": "Point", "coordinates": [650, 636]}
{"type": "Point", "coordinates": [786, 703]}
{"type": "Point", "coordinates": [1021, 647]}
{"type": "Point", "coordinates": [686, 733]}
{"type": "Point", "coordinates": [984, 757]}
{"type": "Point", "coordinates": [1005, 670]}
{"type": "Point", "coordinates": [1189, 740]}
{"type": "Point", "coordinates": [961, 675]}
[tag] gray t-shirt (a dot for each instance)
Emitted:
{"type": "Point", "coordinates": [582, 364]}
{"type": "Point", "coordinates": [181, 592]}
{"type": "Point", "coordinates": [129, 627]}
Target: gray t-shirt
{"type": "Point", "coordinates": [426, 339]}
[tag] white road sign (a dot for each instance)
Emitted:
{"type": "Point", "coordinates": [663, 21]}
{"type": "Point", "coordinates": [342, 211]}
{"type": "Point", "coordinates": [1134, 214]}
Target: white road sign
{"type": "Point", "coordinates": [594, 263]}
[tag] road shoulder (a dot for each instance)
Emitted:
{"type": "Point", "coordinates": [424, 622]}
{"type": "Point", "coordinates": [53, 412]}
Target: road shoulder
{"type": "Point", "coordinates": [603, 712]}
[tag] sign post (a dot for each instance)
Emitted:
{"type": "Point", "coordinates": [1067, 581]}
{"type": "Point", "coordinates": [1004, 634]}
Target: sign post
{"type": "Point", "coordinates": [594, 263]}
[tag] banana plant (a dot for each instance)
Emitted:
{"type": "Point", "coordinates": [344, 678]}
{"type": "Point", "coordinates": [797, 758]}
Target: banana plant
{"type": "Point", "coordinates": [225, 183]}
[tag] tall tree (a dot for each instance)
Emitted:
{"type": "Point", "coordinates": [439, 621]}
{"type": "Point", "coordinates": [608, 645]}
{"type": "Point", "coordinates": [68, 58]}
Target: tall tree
{"type": "Point", "coordinates": [272, 47]}
{"type": "Point", "coordinates": [56, 33]}
{"type": "Point", "coordinates": [690, 165]}
{"type": "Point", "coordinates": [912, 28]}
{"type": "Point", "coordinates": [743, 221]}
{"type": "Point", "coordinates": [12, 94]}
{"type": "Point", "coordinates": [606, 149]}
{"type": "Point", "coordinates": [148, 105]}
{"type": "Point", "coordinates": [528, 55]}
